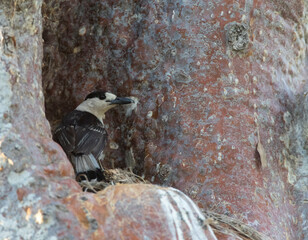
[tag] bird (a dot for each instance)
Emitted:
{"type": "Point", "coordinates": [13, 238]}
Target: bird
{"type": "Point", "coordinates": [82, 134]}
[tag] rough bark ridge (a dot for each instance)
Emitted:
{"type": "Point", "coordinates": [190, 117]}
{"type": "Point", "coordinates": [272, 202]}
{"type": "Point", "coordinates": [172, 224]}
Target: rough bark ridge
{"type": "Point", "coordinates": [32, 177]}
{"type": "Point", "coordinates": [222, 115]}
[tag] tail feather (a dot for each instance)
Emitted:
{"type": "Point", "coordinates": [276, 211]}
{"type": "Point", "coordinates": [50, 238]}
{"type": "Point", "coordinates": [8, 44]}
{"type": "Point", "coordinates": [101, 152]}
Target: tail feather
{"type": "Point", "coordinates": [88, 165]}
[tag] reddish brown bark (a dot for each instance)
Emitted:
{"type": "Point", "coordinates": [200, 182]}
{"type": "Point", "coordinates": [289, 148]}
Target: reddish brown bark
{"type": "Point", "coordinates": [214, 82]}
{"type": "Point", "coordinates": [221, 114]}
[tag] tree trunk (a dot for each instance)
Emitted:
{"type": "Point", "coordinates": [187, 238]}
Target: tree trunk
{"type": "Point", "coordinates": [221, 116]}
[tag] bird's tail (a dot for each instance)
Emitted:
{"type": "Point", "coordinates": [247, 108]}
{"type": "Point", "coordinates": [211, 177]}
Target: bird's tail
{"type": "Point", "coordinates": [87, 165]}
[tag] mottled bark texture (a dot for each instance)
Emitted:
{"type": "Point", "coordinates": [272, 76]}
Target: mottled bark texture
{"type": "Point", "coordinates": [221, 89]}
{"type": "Point", "coordinates": [39, 197]}
{"type": "Point", "coordinates": [222, 115]}
{"type": "Point", "coordinates": [33, 179]}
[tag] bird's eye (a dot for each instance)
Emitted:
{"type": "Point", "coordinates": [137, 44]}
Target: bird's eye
{"type": "Point", "coordinates": [102, 97]}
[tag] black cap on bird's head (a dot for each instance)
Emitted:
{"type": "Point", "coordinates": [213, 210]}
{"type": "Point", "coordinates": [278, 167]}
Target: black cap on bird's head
{"type": "Point", "coordinates": [109, 97]}
{"type": "Point", "coordinates": [96, 94]}
{"type": "Point", "coordinates": [99, 102]}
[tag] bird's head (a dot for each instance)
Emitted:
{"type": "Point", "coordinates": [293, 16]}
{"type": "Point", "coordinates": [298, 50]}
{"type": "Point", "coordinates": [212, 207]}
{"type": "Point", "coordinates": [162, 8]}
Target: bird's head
{"type": "Point", "coordinates": [99, 102]}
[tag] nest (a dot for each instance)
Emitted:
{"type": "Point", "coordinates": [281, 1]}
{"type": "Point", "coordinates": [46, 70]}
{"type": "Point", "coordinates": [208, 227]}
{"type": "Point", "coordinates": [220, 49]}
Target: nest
{"type": "Point", "coordinates": [232, 227]}
{"type": "Point", "coordinates": [112, 177]}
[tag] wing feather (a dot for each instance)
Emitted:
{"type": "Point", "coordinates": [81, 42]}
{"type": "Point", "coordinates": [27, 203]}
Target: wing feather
{"type": "Point", "coordinates": [65, 136]}
{"type": "Point", "coordinates": [90, 140]}
{"type": "Point", "coordinates": [81, 133]}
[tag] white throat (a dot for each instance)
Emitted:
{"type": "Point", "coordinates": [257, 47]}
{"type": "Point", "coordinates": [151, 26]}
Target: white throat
{"type": "Point", "coordinates": [96, 107]}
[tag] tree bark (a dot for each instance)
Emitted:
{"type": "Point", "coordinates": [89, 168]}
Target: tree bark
{"type": "Point", "coordinates": [221, 116]}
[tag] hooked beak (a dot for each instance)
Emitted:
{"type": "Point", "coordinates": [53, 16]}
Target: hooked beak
{"type": "Point", "coordinates": [122, 100]}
